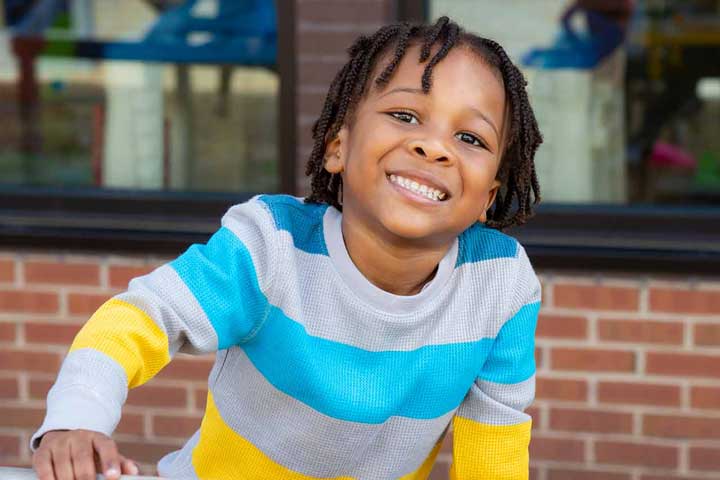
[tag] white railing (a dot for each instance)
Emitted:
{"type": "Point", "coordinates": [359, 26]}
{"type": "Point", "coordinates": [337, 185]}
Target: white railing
{"type": "Point", "coordinates": [12, 473]}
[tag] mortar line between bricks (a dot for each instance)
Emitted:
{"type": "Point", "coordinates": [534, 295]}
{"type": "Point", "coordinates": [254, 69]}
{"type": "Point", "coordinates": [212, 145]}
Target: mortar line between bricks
{"type": "Point", "coordinates": [629, 408]}
{"type": "Point", "coordinates": [631, 315]}
{"type": "Point", "coordinates": [684, 457]}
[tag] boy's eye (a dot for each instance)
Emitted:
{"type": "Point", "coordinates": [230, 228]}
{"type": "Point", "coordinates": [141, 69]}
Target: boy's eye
{"type": "Point", "coordinates": [471, 139]}
{"type": "Point", "coordinates": [404, 117]}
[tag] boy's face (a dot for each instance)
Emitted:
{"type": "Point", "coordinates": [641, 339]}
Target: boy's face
{"type": "Point", "coordinates": [448, 141]}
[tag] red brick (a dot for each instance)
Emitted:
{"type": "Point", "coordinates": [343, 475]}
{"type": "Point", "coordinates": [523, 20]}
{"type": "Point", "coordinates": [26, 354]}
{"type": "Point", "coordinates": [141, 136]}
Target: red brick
{"type": "Point", "coordinates": [681, 426]}
{"type": "Point", "coordinates": [639, 331]}
{"type": "Point", "coordinates": [84, 303]}
{"type": "Point", "coordinates": [39, 387]}
{"type": "Point", "coordinates": [131, 424]}
{"type": "Point", "coordinates": [19, 360]}
{"type": "Point", "coordinates": [584, 420]}
{"type": "Point", "coordinates": [184, 368]}
{"type": "Point", "coordinates": [120, 275]}
{"type": "Point", "coordinates": [7, 271]}
{"type": "Point", "coordinates": [330, 12]}
{"type": "Point", "coordinates": [669, 477]}
{"type": "Point", "coordinates": [705, 397]}
{"type": "Point", "coordinates": [697, 302]}
{"type": "Point", "coordinates": [318, 72]}
{"type": "Point", "coordinates": [707, 334]}
{"type": "Point", "coordinates": [325, 42]}
{"type": "Point", "coordinates": [596, 297]}
{"type": "Point", "coordinates": [534, 412]}
{"type": "Point", "coordinates": [560, 449]}
{"type": "Point", "coordinates": [50, 333]}
{"type": "Point", "coordinates": [626, 453]}
{"type": "Point", "coordinates": [146, 451]}
{"type": "Point", "coordinates": [200, 399]}
{"type": "Point", "coordinates": [705, 458]}
{"type": "Point", "coordinates": [561, 389]}
{"type": "Point", "coordinates": [62, 273]}
{"type": "Point", "coordinates": [175, 425]}
{"type": "Point", "coordinates": [639, 393]}
{"type": "Point", "coordinates": [683, 364]}
{"type": "Point", "coordinates": [22, 417]}
{"type": "Point", "coordinates": [7, 332]}
{"type": "Point", "coordinates": [561, 326]}
{"type": "Point", "coordinates": [157, 396]}
{"type": "Point", "coordinates": [439, 471]}
{"type": "Point", "coordinates": [8, 388]}
{"type": "Point", "coordinates": [592, 360]}
{"type": "Point", "coordinates": [9, 446]}
{"type": "Point", "coordinates": [554, 474]}
{"type": "Point", "coordinates": [28, 302]}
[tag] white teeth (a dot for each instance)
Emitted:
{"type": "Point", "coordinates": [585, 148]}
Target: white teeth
{"type": "Point", "coordinates": [418, 188]}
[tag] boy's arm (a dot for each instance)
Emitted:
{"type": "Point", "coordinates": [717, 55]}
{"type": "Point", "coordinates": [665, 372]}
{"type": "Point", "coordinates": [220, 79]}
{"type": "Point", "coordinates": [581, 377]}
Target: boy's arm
{"type": "Point", "coordinates": [209, 298]}
{"type": "Point", "coordinates": [491, 433]}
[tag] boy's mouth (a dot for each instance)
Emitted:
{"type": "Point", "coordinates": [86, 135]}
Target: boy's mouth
{"type": "Point", "coordinates": [419, 188]}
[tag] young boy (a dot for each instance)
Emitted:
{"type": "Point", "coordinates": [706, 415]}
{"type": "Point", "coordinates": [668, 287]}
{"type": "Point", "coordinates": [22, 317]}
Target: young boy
{"type": "Point", "coordinates": [353, 327]}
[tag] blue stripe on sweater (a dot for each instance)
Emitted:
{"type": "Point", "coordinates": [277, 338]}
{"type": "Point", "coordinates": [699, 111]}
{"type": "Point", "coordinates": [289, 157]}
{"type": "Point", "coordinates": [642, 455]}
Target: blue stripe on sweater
{"type": "Point", "coordinates": [222, 277]}
{"type": "Point", "coordinates": [479, 243]}
{"type": "Point", "coordinates": [512, 358]}
{"type": "Point", "coordinates": [302, 220]}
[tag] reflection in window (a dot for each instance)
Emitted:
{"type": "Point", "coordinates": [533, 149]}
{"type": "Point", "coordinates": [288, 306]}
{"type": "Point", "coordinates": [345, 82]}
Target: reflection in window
{"type": "Point", "coordinates": [139, 94]}
{"type": "Point", "coordinates": [625, 91]}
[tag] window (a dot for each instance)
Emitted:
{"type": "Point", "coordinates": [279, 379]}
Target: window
{"type": "Point", "coordinates": [140, 121]}
{"type": "Point", "coordinates": [627, 96]}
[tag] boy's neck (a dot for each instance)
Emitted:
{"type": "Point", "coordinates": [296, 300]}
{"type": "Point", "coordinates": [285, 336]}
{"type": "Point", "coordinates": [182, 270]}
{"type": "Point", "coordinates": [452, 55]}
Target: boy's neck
{"type": "Point", "coordinates": [397, 269]}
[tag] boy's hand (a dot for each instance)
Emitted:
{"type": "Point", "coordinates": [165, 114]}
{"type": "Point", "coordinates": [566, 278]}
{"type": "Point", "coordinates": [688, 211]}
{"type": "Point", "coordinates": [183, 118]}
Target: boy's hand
{"type": "Point", "coordinates": [79, 454]}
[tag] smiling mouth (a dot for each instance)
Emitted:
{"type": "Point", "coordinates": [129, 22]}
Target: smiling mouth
{"type": "Point", "coordinates": [418, 188]}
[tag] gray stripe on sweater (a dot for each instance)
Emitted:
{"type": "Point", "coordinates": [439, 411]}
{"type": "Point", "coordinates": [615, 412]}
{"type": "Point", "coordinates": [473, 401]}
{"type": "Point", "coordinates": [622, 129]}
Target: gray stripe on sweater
{"type": "Point", "coordinates": [304, 440]}
{"type": "Point", "coordinates": [498, 404]}
{"type": "Point", "coordinates": [169, 302]}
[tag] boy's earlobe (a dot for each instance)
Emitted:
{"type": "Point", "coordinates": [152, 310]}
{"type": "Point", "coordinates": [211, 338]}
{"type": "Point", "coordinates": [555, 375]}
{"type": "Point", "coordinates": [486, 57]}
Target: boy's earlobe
{"type": "Point", "coordinates": [334, 162]}
{"type": "Point", "coordinates": [490, 200]}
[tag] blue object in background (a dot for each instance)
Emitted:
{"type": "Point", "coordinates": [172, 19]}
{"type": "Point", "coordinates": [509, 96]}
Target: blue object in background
{"type": "Point", "coordinates": [579, 50]}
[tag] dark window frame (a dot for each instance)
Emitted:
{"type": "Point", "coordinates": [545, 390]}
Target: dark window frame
{"type": "Point", "coordinates": [637, 238]}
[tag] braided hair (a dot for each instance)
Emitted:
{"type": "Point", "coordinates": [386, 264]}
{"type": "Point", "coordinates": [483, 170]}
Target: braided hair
{"type": "Point", "coordinates": [519, 189]}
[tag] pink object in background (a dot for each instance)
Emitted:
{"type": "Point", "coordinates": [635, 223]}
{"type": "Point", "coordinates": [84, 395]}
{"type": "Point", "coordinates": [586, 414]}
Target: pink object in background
{"type": "Point", "coordinates": [667, 155]}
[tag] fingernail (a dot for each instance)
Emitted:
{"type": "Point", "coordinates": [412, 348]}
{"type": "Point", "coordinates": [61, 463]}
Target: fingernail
{"type": "Point", "coordinates": [134, 469]}
{"type": "Point", "coordinates": [112, 472]}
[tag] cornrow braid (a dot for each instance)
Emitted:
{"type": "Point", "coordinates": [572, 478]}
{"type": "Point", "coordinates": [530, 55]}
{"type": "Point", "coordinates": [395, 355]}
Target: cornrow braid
{"type": "Point", "coordinates": [519, 190]}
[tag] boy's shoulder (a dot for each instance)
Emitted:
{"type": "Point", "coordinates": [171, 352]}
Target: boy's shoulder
{"type": "Point", "coordinates": [481, 243]}
{"type": "Point", "coordinates": [283, 215]}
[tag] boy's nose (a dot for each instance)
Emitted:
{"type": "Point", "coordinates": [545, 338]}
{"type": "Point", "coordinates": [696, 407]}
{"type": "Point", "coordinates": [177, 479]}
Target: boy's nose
{"type": "Point", "coordinates": [432, 150]}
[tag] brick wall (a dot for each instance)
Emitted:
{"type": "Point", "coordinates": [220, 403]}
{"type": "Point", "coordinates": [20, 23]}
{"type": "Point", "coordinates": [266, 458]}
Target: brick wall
{"type": "Point", "coordinates": [325, 30]}
{"type": "Point", "coordinates": [628, 376]}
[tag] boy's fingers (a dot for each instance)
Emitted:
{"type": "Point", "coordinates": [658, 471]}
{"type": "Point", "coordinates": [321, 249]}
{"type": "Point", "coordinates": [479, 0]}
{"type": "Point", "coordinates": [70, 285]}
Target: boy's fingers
{"type": "Point", "coordinates": [129, 467]}
{"type": "Point", "coordinates": [42, 463]}
{"type": "Point", "coordinates": [83, 459]}
{"type": "Point", "coordinates": [61, 461]}
{"type": "Point", "coordinates": [109, 457]}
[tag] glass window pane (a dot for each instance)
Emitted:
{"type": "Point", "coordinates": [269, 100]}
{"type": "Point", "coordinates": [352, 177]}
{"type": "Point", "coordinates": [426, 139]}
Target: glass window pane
{"type": "Point", "coordinates": [139, 94]}
{"type": "Point", "coordinates": [626, 93]}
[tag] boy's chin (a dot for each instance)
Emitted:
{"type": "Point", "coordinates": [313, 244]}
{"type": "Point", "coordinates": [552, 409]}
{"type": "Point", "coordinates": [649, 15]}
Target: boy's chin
{"type": "Point", "coordinates": [417, 231]}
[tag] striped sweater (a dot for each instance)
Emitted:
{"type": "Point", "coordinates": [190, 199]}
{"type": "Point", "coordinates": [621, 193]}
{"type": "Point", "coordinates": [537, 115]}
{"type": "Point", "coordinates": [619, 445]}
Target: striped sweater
{"type": "Point", "coordinates": [319, 373]}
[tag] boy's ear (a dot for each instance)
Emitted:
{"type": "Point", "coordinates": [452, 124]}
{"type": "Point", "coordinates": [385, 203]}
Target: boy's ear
{"type": "Point", "coordinates": [490, 200]}
{"type": "Point", "coordinates": [335, 152]}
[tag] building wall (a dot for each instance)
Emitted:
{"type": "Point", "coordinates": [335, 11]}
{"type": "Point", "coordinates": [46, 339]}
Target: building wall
{"type": "Point", "coordinates": [628, 369]}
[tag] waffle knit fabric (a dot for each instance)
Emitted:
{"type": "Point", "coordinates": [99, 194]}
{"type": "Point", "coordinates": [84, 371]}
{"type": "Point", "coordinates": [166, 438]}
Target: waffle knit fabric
{"type": "Point", "coordinates": [319, 373]}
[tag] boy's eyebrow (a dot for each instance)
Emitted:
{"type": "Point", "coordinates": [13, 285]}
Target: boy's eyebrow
{"type": "Point", "coordinates": [419, 91]}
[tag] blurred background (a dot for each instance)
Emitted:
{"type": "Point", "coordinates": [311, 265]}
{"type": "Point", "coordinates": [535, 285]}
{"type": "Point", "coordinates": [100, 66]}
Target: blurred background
{"type": "Point", "coordinates": [127, 127]}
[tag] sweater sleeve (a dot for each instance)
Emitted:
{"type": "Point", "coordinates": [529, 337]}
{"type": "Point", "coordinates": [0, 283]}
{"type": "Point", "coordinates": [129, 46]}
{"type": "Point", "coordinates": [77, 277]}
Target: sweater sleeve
{"type": "Point", "coordinates": [211, 297]}
{"type": "Point", "coordinates": [491, 432]}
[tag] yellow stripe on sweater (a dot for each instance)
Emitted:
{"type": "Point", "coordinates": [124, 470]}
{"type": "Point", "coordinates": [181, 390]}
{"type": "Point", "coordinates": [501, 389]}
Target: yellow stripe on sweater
{"type": "Point", "coordinates": [129, 336]}
{"type": "Point", "coordinates": [483, 451]}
